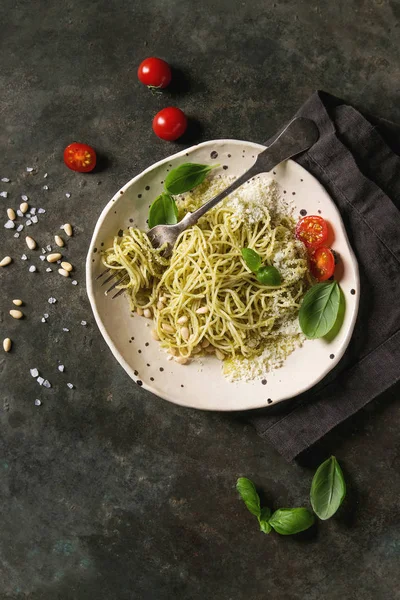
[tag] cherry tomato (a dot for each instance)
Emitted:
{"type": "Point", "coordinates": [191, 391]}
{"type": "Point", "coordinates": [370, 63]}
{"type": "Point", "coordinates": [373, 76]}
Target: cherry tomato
{"type": "Point", "coordinates": [170, 123]}
{"type": "Point", "coordinates": [312, 231]}
{"type": "Point", "coordinates": [80, 157]}
{"type": "Point", "coordinates": [155, 73]}
{"type": "Point", "coordinates": [322, 263]}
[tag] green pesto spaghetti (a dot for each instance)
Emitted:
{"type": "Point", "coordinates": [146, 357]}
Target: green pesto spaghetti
{"type": "Point", "coordinates": [204, 299]}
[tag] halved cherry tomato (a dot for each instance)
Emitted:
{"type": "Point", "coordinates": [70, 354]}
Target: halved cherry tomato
{"type": "Point", "coordinates": [80, 157]}
{"type": "Point", "coordinates": [170, 123]}
{"type": "Point", "coordinates": [155, 73]}
{"type": "Point", "coordinates": [322, 263]}
{"type": "Point", "coordinates": [312, 231]}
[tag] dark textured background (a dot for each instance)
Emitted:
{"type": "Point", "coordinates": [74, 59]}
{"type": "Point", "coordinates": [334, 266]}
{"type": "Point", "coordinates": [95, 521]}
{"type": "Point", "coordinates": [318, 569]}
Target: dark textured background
{"type": "Point", "coordinates": [107, 492]}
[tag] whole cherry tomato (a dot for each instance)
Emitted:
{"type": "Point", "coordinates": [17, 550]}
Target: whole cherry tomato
{"type": "Point", "coordinates": [155, 73]}
{"type": "Point", "coordinates": [170, 123]}
{"type": "Point", "coordinates": [80, 157]}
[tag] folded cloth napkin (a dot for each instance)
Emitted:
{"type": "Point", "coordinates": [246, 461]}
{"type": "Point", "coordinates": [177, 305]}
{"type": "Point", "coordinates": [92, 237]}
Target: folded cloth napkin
{"type": "Point", "coordinates": [356, 160]}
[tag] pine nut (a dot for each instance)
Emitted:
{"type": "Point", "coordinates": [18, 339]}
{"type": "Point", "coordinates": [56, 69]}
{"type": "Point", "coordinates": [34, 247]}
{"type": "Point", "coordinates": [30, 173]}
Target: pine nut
{"type": "Point", "coordinates": [167, 328]}
{"type": "Point", "coordinates": [139, 311]}
{"type": "Point", "coordinates": [23, 207]}
{"type": "Point", "coordinates": [182, 320]}
{"type": "Point", "coordinates": [67, 266]}
{"type": "Point", "coordinates": [160, 305]}
{"type": "Point", "coordinates": [202, 310]}
{"type": "Point", "coordinates": [173, 351]}
{"type": "Point", "coordinates": [59, 241]}
{"type": "Point", "coordinates": [220, 355]}
{"type": "Point", "coordinates": [147, 313]}
{"type": "Point", "coordinates": [163, 299]}
{"type": "Point", "coordinates": [6, 261]}
{"type": "Point", "coordinates": [16, 314]}
{"type": "Point", "coordinates": [63, 272]}
{"type": "Point", "coordinates": [154, 335]}
{"type": "Point", "coordinates": [68, 229]}
{"type": "Point", "coordinates": [181, 360]}
{"type": "Point", "coordinates": [51, 258]}
{"type": "Point", "coordinates": [210, 349]}
{"type": "Point", "coordinates": [185, 333]}
{"type": "Point", "coordinates": [205, 343]}
{"type": "Point", "coordinates": [196, 350]}
{"type": "Point", "coordinates": [11, 214]}
{"type": "Point", "coordinates": [17, 302]}
{"type": "Point", "coordinates": [30, 242]}
{"type": "Point", "coordinates": [7, 343]}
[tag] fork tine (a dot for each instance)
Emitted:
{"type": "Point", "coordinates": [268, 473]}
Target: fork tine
{"type": "Point", "coordinates": [112, 276]}
{"type": "Point", "coordinates": [118, 293]}
{"type": "Point", "coordinates": [118, 282]}
{"type": "Point", "coordinates": [103, 273]}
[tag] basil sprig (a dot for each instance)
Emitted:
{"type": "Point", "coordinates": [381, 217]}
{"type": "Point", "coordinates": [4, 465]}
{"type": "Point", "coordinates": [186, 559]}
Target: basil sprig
{"type": "Point", "coordinates": [267, 275]}
{"type": "Point", "coordinates": [328, 489]}
{"type": "Point", "coordinates": [288, 521]}
{"type": "Point", "coordinates": [319, 309]}
{"type": "Point", "coordinates": [163, 211]}
{"type": "Point", "coordinates": [186, 177]}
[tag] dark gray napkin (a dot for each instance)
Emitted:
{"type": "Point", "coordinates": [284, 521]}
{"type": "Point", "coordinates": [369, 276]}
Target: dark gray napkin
{"type": "Point", "coordinates": [356, 161]}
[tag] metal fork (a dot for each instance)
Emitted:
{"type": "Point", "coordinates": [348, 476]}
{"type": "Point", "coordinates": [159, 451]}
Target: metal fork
{"type": "Point", "coordinates": [299, 135]}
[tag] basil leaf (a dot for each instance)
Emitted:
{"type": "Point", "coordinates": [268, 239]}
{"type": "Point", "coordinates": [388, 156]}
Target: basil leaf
{"type": "Point", "coordinates": [186, 177]}
{"type": "Point", "coordinates": [288, 521]}
{"type": "Point", "coordinates": [248, 493]}
{"type": "Point", "coordinates": [252, 259]}
{"type": "Point", "coordinates": [269, 275]}
{"type": "Point", "coordinates": [319, 309]}
{"type": "Point", "coordinates": [265, 527]}
{"type": "Point", "coordinates": [163, 211]}
{"type": "Point", "coordinates": [328, 489]}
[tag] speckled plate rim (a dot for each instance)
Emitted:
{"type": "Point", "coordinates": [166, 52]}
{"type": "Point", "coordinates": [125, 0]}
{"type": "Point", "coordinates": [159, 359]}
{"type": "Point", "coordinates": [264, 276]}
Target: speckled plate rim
{"type": "Point", "coordinates": [91, 282]}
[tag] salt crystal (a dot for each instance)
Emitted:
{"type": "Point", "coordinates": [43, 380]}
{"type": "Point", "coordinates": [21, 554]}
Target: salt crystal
{"type": "Point", "coordinates": [48, 270]}
{"type": "Point", "coordinates": [27, 215]}
{"type": "Point", "coordinates": [24, 257]}
{"type": "Point", "coordinates": [4, 194]}
{"type": "Point", "coordinates": [29, 169]}
{"type": "Point", "coordinates": [32, 269]}
{"type": "Point", "coordinates": [28, 222]}
{"type": "Point", "coordinates": [51, 300]}
{"type": "Point", "coordinates": [24, 197]}
{"type": "Point", "coordinates": [43, 320]}
{"type": "Point", "coordinates": [66, 329]}
{"type": "Point", "coordinates": [33, 210]}
{"type": "Point", "coordinates": [45, 187]}
{"type": "Point", "coordinates": [61, 368]}
{"type": "Point", "coordinates": [46, 384]}
{"type": "Point", "coordinates": [41, 211]}
{"type": "Point", "coordinates": [74, 282]}
{"type": "Point", "coordinates": [46, 316]}
{"type": "Point", "coordinates": [20, 227]}
{"type": "Point", "coordinates": [70, 385]}
{"type": "Point", "coordinates": [35, 219]}
{"type": "Point", "coordinates": [5, 180]}
{"type": "Point", "coordinates": [48, 248]}
{"type": "Point", "coordinates": [42, 257]}
{"type": "Point", "coordinates": [20, 213]}
{"type": "Point", "coordinates": [34, 372]}
{"type": "Point", "coordinates": [68, 195]}
{"type": "Point", "coordinates": [16, 235]}
{"type": "Point", "coordinates": [38, 402]}
{"type": "Point", "coordinates": [84, 323]}
{"type": "Point", "coordinates": [40, 380]}
{"type": "Point", "coordinates": [9, 225]}
{"type": "Point", "coordinates": [44, 176]}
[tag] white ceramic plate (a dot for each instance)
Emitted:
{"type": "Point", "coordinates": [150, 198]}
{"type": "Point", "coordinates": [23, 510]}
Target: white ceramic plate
{"type": "Point", "coordinates": [203, 386]}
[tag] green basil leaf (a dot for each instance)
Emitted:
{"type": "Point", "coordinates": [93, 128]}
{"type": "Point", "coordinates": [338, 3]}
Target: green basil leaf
{"type": "Point", "coordinates": [288, 521]}
{"type": "Point", "coordinates": [252, 259]}
{"type": "Point", "coordinates": [269, 275]}
{"type": "Point", "coordinates": [163, 211]}
{"type": "Point", "coordinates": [319, 309]}
{"type": "Point", "coordinates": [265, 527]}
{"type": "Point", "coordinates": [328, 489]}
{"type": "Point", "coordinates": [248, 493]}
{"type": "Point", "coordinates": [186, 177]}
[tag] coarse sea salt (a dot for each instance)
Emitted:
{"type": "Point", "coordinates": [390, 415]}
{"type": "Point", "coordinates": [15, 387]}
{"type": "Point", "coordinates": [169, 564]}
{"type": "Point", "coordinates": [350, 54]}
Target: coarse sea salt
{"type": "Point", "coordinates": [5, 180]}
{"type": "Point", "coordinates": [35, 219]}
{"type": "Point", "coordinates": [46, 383]}
{"type": "Point", "coordinates": [42, 257]}
{"type": "Point", "coordinates": [68, 195]}
{"type": "Point", "coordinates": [40, 380]}
{"type": "Point", "coordinates": [16, 234]}
{"type": "Point", "coordinates": [45, 187]}
{"type": "Point", "coordinates": [84, 323]}
{"type": "Point", "coordinates": [74, 282]}
{"type": "Point", "coordinates": [61, 368]}
{"type": "Point", "coordinates": [34, 372]}
{"type": "Point", "coordinates": [29, 169]}
{"type": "Point", "coordinates": [4, 194]}
{"type": "Point", "coordinates": [20, 213]}
{"type": "Point", "coordinates": [24, 257]}
{"type": "Point", "coordinates": [28, 222]}
{"type": "Point", "coordinates": [32, 269]}
{"type": "Point", "coordinates": [51, 300]}
{"type": "Point", "coordinates": [33, 210]}
{"type": "Point", "coordinates": [38, 402]}
{"type": "Point", "coordinates": [70, 385]}
{"type": "Point", "coordinates": [41, 211]}
{"type": "Point", "coordinates": [24, 197]}
{"type": "Point", "coordinates": [48, 270]}
{"type": "Point", "coordinates": [66, 329]}
{"type": "Point", "coordinates": [44, 320]}
{"type": "Point", "coordinates": [9, 225]}
{"type": "Point", "coordinates": [20, 228]}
